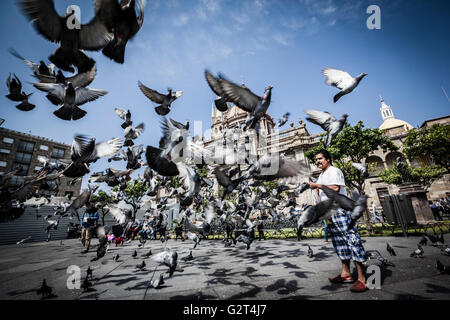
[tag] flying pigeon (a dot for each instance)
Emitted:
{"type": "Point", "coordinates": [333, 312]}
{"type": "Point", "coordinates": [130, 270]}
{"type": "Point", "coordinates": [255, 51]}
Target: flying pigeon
{"type": "Point", "coordinates": [282, 121]}
{"type": "Point", "coordinates": [246, 100]}
{"type": "Point", "coordinates": [357, 206]}
{"type": "Point", "coordinates": [363, 169]}
{"type": "Point", "coordinates": [26, 105]}
{"type": "Point", "coordinates": [341, 80]}
{"type": "Point", "coordinates": [92, 36]}
{"type": "Point", "coordinates": [214, 84]}
{"type": "Point", "coordinates": [70, 98]}
{"type": "Point", "coordinates": [120, 19]}
{"type": "Point", "coordinates": [15, 89]}
{"type": "Point", "coordinates": [131, 134]}
{"type": "Point", "coordinates": [168, 258]}
{"type": "Point", "coordinates": [124, 115]}
{"type": "Point", "coordinates": [165, 101]}
{"type": "Point", "coordinates": [38, 69]}
{"type": "Point", "coordinates": [328, 123]}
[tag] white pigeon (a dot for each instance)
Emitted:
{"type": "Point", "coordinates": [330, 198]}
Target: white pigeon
{"type": "Point", "coordinates": [341, 80]}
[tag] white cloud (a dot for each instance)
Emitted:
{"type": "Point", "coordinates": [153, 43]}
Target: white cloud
{"type": "Point", "coordinates": [282, 39]}
{"type": "Point", "coordinates": [181, 20]}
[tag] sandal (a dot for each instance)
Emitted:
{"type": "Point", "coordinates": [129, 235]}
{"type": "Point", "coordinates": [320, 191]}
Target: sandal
{"type": "Point", "coordinates": [339, 279]}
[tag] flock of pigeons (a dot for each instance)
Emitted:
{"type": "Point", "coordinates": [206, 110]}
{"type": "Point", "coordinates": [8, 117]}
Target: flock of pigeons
{"type": "Point", "coordinates": [178, 155]}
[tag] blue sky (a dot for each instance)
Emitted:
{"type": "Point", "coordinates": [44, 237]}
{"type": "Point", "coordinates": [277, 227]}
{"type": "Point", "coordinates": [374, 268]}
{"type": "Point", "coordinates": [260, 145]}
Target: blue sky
{"type": "Point", "coordinates": [285, 43]}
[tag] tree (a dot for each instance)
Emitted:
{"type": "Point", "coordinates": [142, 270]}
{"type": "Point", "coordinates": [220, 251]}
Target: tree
{"type": "Point", "coordinates": [424, 176]}
{"type": "Point", "coordinates": [353, 145]}
{"type": "Point", "coordinates": [101, 200]}
{"type": "Point", "coordinates": [133, 194]}
{"type": "Point", "coordinates": [431, 141]}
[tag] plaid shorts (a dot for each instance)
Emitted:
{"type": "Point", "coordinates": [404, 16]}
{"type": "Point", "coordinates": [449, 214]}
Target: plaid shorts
{"type": "Point", "coordinates": [346, 243]}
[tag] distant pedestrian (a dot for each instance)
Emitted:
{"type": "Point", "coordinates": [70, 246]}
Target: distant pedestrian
{"type": "Point", "coordinates": [88, 221]}
{"type": "Point", "coordinates": [325, 229]}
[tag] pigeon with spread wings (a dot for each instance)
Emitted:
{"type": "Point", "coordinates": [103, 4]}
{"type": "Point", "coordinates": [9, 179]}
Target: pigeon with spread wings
{"type": "Point", "coordinates": [55, 28]}
{"type": "Point", "coordinates": [70, 98]}
{"type": "Point", "coordinates": [328, 123]}
{"type": "Point", "coordinates": [85, 151]}
{"type": "Point", "coordinates": [121, 20]}
{"type": "Point", "coordinates": [341, 80]}
{"type": "Point", "coordinates": [165, 101]}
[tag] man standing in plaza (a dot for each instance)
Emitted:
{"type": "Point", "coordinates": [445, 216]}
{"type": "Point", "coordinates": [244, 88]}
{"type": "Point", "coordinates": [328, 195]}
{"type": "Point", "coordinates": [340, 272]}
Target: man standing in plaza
{"type": "Point", "coordinates": [346, 242]}
{"type": "Point", "coordinates": [88, 220]}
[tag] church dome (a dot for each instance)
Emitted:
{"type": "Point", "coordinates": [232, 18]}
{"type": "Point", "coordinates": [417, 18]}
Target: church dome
{"type": "Point", "coordinates": [390, 123]}
{"type": "Point", "coordinates": [395, 123]}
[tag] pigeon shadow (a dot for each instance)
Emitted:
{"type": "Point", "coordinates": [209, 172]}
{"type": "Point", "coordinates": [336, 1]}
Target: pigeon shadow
{"type": "Point", "coordinates": [282, 287]}
{"type": "Point", "coordinates": [300, 274]}
{"type": "Point", "coordinates": [437, 289]}
{"type": "Point", "coordinates": [408, 296]}
{"type": "Point", "coordinates": [197, 296]}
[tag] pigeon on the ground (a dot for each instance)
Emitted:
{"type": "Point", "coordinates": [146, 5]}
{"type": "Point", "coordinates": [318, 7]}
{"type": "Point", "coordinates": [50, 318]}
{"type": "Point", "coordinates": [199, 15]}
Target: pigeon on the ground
{"type": "Point", "coordinates": [375, 254]}
{"type": "Point", "coordinates": [134, 255]}
{"type": "Point", "coordinates": [165, 101]}
{"type": "Point", "coordinates": [247, 240]}
{"type": "Point", "coordinates": [328, 123]}
{"type": "Point", "coordinates": [158, 282]}
{"type": "Point", "coordinates": [442, 269]}
{"type": "Point", "coordinates": [121, 20]}
{"type": "Point", "coordinates": [148, 254]}
{"type": "Point", "coordinates": [341, 80]}
{"type": "Point", "coordinates": [141, 266]}
{"type": "Point", "coordinates": [116, 258]}
{"type": "Point", "coordinates": [70, 98]}
{"type": "Point", "coordinates": [189, 257]}
{"type": "Point", "coordinates": [390, 249]}
{"type": "Point", "coordinates": [417, 253]}
{"type": "Point", "coordinates": [446, 251]}
{"type": "Point", "coordinates": [310, 252]}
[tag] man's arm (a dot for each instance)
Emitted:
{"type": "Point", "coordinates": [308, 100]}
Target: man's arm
{"type": "Point", "coordinates": [334, 187]}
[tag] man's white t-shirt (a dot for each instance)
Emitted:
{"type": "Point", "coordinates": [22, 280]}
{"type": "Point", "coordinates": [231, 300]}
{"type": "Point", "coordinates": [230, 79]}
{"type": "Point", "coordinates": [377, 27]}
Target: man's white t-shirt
{"type": "Point", "coordinates": [332, 176]}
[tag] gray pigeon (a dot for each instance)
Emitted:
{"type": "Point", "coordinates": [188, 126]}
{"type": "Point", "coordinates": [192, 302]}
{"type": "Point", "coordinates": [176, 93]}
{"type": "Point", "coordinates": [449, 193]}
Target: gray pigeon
{"type": "Point", "coordinates": [70, 98]}
{"type": "Point", "coordinates": [312, 214]}
{"type": "Point", "coordinates": [417, 253]}
{"type": "Point", "coordinates": [310, 252]}
{"type": "Point", "coordinates": [357, 206]}
{"type": "Point", "coordinates": [165, 101]}
{"type": "Point", "coordinates": [328, 123]}
{"type": "Point", "coordinates": [214, 83]}
{"type": "Point", "coordinates": [131, 134]}
{"type": "Point", "coordinates": [341, 80]}
{"type": "Point", "coordinates": [363, 168]}
{"type": "Point", "coordinates": [247, 240]}
{"type": "Point", "coordinates": [124, 115]}
{"type": "Point", "coordinates": [282, 121]}
{"type": "Point", "coordinates": [158, 282]}
{"type": "Point", "coordinates": [246, 100]}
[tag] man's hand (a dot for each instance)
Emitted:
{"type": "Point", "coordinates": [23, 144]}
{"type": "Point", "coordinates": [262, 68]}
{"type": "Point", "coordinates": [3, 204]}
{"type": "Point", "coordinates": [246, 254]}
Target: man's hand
{"type": "Point", "coordinates": [313, 185]}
